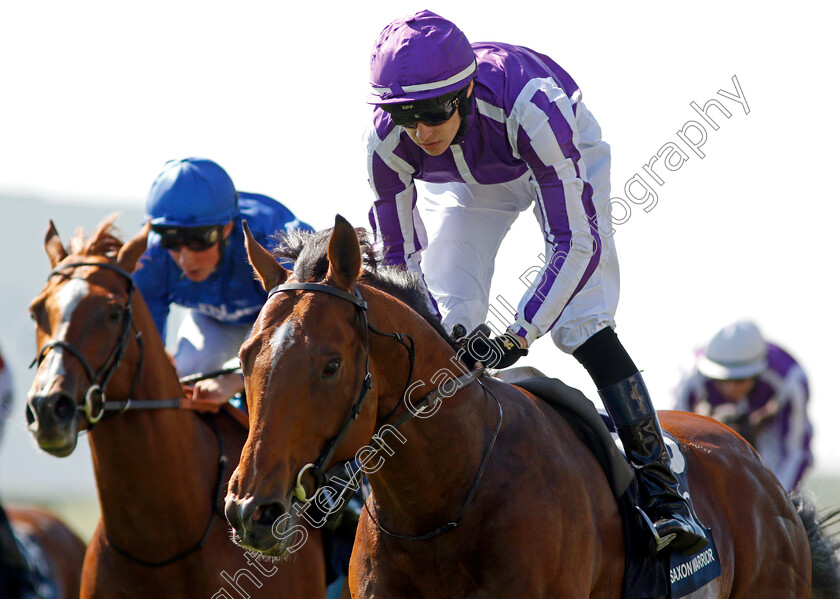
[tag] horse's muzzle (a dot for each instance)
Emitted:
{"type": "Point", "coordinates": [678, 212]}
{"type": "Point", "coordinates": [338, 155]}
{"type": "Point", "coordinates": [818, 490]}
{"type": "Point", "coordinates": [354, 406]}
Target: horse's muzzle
{"type": "Point", "coordinates": [259, 526]}
{"type": "Point", "coordinates": [51, 420]}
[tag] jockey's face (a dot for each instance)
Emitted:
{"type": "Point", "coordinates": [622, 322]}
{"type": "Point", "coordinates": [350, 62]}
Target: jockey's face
{"type": "Point", "coordinates": [198, 265]}
{"type": "Point", "coordinates": [435, 139]}
{"type": "Point", "coordinates": [736, 389]}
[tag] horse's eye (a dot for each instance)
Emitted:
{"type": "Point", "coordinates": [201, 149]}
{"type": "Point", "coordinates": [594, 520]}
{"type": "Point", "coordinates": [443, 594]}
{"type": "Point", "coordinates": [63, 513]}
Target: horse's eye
{"type": "Point", "coordinates": [331, 368]}
{"type": "Point", "coordinates": [115, 313]}
{"type": "Point", "coordinates": [38, 315]}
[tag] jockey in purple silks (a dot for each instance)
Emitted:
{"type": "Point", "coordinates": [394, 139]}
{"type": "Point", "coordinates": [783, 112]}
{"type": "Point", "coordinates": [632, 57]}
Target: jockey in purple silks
{"type": "Point", "coordinates": [758, 389]}
{"type": "Point", "coordinates": [479, 133]}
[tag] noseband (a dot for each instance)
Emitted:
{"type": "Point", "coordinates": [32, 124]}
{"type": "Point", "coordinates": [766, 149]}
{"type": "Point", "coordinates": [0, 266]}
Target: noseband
{"type": "Point", "coordinates": [323, 478]}
{"type": "Point", "coordinates": [99, 379]}
{"type": "Point", "coordinates": [361, 306]}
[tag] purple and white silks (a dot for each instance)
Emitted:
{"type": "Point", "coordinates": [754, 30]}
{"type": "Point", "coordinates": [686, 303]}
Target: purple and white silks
{"type": "Point", "coordinates": [528, 122]}
{"type": "Point", "coordinates": [785, 442]}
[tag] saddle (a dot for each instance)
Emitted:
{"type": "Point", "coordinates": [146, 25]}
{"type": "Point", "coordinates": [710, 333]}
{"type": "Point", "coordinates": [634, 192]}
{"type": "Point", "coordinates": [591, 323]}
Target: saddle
{"type": "Point", "coordinates": [240, 417]}
{"type": "Point", "coordinates": [647, 575]}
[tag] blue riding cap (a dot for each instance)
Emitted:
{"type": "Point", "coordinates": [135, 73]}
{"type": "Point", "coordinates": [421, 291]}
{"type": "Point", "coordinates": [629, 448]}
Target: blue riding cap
{"type": "Point", "coordinates": [419, 57]}
{"type": "Point", "coordinates": [191, 192]}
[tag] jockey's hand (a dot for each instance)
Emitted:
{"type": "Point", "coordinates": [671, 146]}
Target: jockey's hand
{"type": "Point", "coordinates": [211, 394]}
{"type": "Point", "coordinates": [499, 352]}
{"type": "Point", "coordinates": [762, 416]}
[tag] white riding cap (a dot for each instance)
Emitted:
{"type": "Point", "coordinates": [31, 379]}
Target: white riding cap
{"type": "Point", "coordinates": [737, 351]}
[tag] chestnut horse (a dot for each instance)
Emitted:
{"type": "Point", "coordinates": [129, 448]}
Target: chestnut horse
{"type": "Point", "coordinates": [160, 473]}
{"type": "Point", "coordinates": [478, 490]}
{"type": "Point", "coordinates": [53, 552]}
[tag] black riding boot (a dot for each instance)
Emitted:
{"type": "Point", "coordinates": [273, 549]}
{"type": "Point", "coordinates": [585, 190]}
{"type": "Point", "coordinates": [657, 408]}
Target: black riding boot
{"type": "Point", "coordinates": [629, 404]}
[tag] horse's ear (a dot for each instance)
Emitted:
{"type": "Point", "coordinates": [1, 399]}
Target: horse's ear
{"type": "Point", "coordinates": [345, 255]}
{"type": "Point", "coordinates": [131, 251]}
{"type": "Point", "coordinates": [52, 243]}
{"type": "Point", "coordinates": [266, 268]}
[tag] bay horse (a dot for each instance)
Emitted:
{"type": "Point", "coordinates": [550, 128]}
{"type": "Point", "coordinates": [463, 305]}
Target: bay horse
{"type": "Point", "coordinates": [160, 473]}
{"type": "Point", "coordinates": [478, 490]}
{"type": "Point", "coordinates": [53, 552]}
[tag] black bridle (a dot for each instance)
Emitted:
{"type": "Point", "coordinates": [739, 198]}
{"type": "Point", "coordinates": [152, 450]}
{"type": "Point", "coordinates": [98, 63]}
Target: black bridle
{"type": "Point", "coordinates": [319, 472]}
{"type": "Point", "coordinates": [99, 381]}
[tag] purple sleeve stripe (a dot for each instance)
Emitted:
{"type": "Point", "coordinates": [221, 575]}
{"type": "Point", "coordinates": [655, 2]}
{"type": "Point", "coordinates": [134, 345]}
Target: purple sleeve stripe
{"type": "Point", "coordinates": [546, 141]}
{"type": "Point", "coordinates": [384, 216]}
{"type": "Point", "coordinates": [547, 288]}
{"type": "Point", "coordinates": [563, 132]}
{"type": "Point", "coordinates": [391, 214]}
{"type": "Point", "coordinates": [554, 219]}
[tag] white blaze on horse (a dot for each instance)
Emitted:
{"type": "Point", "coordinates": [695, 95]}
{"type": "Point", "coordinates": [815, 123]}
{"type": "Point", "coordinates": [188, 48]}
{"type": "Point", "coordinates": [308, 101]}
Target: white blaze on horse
{"type": "Point", "coordinates": [160, 471]}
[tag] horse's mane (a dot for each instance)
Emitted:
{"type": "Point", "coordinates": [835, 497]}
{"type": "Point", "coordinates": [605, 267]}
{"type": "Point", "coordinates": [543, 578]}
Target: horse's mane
{"type": "Point", "coordinates": [102, 242]}
{"type": "Point", "coordinates": [309, 253]}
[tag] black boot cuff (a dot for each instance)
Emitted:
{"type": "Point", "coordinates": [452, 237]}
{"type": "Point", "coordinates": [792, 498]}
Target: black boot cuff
{"type": "Point", "coordinates": [605, 358]}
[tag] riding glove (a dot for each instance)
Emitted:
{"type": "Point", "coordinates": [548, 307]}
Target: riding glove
{"type": "Point", "coordinates": [499, 352]}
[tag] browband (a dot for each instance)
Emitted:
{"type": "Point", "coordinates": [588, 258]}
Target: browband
{"type": "Point", "coordinates": [356, 299]}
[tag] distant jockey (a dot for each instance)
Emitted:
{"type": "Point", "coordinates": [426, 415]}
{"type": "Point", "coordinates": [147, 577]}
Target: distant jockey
{"type": "Point", "coordinates": [758, 389]}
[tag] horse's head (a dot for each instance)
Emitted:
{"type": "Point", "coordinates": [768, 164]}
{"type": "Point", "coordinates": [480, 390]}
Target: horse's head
{"type": "Point", "coordinates": [305, 367]}
{"type": "Point", "coordinates": [82, 320]}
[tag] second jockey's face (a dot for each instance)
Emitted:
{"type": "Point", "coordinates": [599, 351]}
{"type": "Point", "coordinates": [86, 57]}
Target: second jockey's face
{"type": "Point", "coordinates": [198, 265]}
{"type": "Point", "coordinates": [737, 389]}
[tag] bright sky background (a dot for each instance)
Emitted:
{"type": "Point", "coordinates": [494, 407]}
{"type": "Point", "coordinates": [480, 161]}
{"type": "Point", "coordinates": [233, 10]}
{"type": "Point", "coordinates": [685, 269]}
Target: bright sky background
{"type": "Point", "coordinates": [98, 95]}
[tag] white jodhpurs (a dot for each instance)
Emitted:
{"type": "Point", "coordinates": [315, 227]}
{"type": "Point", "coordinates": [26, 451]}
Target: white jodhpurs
{"type": "Point", "coordinates": [465, 225]}
{"type": "Point", "coordinates": [204, 344]}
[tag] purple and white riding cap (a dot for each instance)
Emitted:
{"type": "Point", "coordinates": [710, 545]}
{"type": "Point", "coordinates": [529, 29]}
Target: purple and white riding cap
{"type": "Point", "coordinates": [419, 57]}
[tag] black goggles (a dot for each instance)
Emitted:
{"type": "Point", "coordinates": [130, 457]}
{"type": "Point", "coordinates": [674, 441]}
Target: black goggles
{"type": "Point", "coordinates": [432, 115]}
{"type": "Point", "coordinates": [196, 239]}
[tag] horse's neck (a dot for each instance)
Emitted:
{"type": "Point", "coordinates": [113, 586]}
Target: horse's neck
{"type": "Point", "coordinates": [160, 460]}
{"type": "Point", "coordinates": [435, 459]}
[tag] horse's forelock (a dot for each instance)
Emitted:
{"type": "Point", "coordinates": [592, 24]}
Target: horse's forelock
{"type": "Point", "coordinates": [309, 253]}
{"type": "Point", "coordinates": [103, 241]}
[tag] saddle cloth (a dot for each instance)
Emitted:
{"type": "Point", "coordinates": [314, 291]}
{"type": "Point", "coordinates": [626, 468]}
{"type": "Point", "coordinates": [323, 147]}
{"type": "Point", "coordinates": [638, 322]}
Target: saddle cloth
{"type": "Point", "coordinates": [665, 575]}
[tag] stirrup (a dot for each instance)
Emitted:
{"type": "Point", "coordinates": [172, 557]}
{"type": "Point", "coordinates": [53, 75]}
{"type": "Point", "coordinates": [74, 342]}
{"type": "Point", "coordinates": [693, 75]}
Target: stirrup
{"type": "Point", "coordinates": [660, 542]}
{"type": "Point", "coordinates": [689, 543]}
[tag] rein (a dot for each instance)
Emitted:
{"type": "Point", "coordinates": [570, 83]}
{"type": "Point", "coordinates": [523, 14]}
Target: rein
{"type": "Point", "coordinates": [473, 488]}
{"type": "Point", "coordinates": [323, 478]}
{"type": "Point", "coordinates": [220, 481]}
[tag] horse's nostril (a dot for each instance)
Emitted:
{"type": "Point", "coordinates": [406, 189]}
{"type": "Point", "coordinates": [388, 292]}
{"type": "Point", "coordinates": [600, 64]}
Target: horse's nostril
{"type": "Point", "coordinates": [30, 415]}
{"type": "Point", "coordinates": [64, 409]}
{"type": "Point", "coordinates": [266, 515]}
